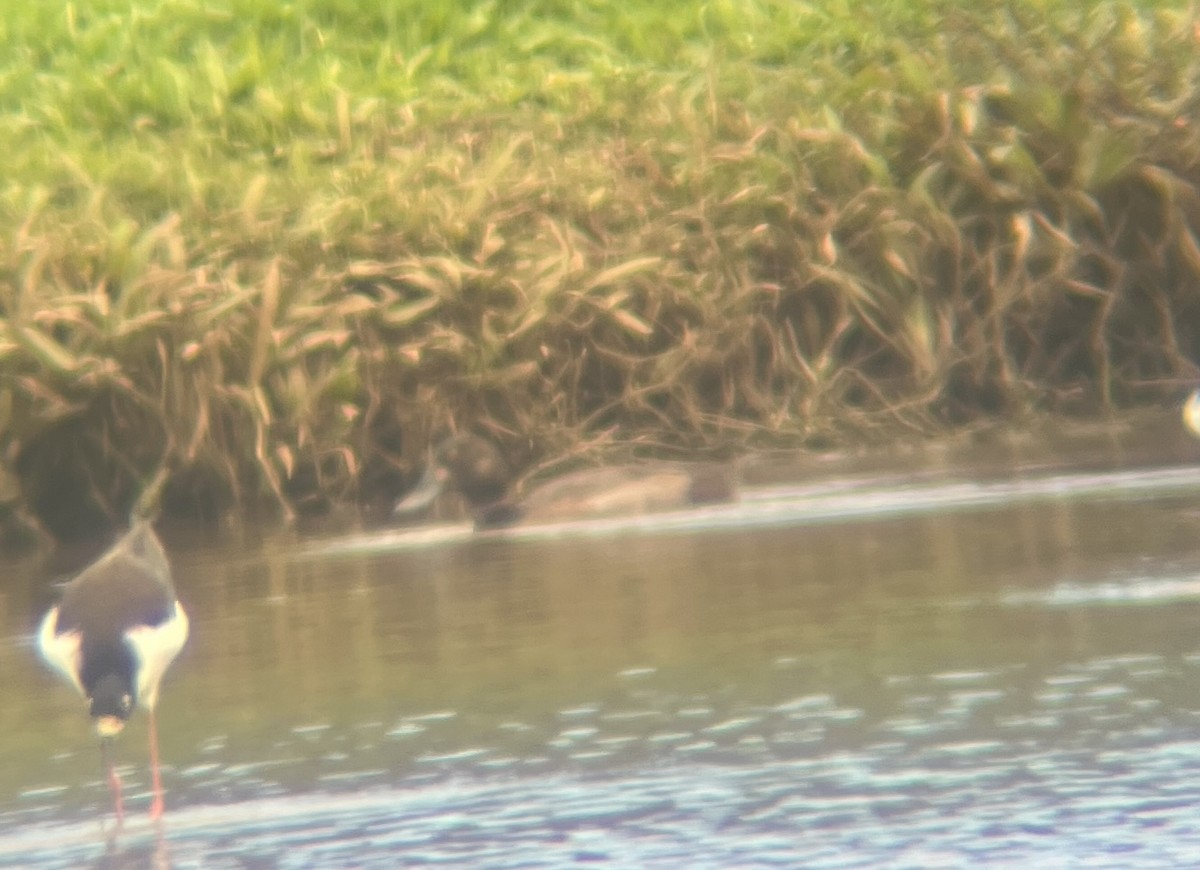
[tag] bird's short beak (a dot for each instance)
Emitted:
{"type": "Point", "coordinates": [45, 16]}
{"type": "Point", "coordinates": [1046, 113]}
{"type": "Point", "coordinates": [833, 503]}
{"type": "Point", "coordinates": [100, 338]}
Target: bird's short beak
{"type": "Point", "coordinates": [109, 726]}
{"type": "Point", "coordinates": [422, 495]}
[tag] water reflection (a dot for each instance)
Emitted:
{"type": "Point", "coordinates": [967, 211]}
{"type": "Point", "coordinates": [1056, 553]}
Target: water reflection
{"type": "Point", "coordinates": [1008, 684]}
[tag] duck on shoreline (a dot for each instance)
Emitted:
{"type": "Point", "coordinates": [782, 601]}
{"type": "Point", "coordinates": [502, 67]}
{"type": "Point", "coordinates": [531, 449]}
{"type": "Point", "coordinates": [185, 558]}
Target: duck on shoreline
{"type": "Point", "coordinates": [473, 467]}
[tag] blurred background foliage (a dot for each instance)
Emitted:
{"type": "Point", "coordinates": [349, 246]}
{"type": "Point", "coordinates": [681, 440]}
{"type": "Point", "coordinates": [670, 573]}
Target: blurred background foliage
{"type": "Point", "coordinates": [274, 247]}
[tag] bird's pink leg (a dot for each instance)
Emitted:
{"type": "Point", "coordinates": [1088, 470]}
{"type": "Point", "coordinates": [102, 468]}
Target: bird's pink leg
{"type": "Point", "coordinates": [114, 781]}
{"type": "Point", "coordinates": [156, 807]}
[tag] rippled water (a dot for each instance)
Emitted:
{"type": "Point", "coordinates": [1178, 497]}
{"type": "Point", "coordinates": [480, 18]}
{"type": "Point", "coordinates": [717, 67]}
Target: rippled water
{"type": "Point", "coordinates": [884, 668]}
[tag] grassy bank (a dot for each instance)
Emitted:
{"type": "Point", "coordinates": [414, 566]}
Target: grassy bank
{"type": "Point", "coordinates": [273, 247]}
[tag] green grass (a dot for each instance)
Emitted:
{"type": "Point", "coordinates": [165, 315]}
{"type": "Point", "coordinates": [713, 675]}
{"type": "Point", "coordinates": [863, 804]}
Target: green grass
{"type": "Point", "coordinates": [272, 247]}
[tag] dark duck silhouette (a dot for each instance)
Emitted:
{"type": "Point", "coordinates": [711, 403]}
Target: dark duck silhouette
{"type": "Point", "coordinates": [474, 467]}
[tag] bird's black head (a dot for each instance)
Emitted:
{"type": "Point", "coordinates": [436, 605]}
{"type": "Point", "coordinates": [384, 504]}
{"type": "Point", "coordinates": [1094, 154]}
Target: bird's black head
{"type": "Point", "coordinates": [112, 696]}
{"type": "Point", "coordinates": [108, 680]}
{"type": "Point", "coordinates": [475, 467]}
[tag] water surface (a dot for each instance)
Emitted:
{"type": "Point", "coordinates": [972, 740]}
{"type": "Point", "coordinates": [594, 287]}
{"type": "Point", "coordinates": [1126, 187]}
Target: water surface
{"type": "Point", "coordinates": [874, 664]}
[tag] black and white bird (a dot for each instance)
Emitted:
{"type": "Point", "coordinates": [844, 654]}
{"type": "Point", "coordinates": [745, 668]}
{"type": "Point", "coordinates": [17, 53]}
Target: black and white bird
{"type": "Point", "coordinates": [114, 632]}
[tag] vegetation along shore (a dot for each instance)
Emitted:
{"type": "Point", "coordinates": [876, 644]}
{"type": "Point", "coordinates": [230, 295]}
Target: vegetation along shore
{"type": "Point", "coordinates": [275, 249]}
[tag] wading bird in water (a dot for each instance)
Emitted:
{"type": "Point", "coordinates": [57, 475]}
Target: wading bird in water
{"type": "Point", "coordinates": [114, 632]}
